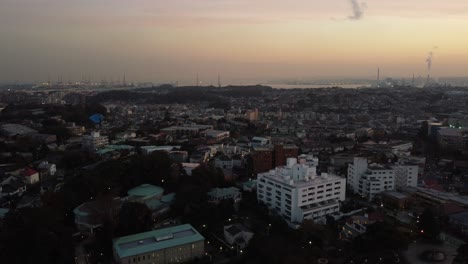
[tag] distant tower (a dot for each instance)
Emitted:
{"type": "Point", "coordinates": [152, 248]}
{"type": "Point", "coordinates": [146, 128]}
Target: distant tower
{"type": "Point", "coordinates": [412, 81]}
{"type": "Point", "coordinates": [378, 75]}
{"type": "Point", "coordinates": [124, 81]}
{"type": "Point", "coordinates": [219, 81]}
{"type": "Point", "coordinates": [198, 82]}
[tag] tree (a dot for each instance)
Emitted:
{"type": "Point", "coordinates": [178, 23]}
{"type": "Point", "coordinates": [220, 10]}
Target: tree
{"type": "Point", "coordinates": [381, 236]}
{"type": "Point", "coordinates": [429, 225]}
{"type": "Point", "coordinates": [133, 218]}
{"type": "Point", "coordinates": [35, 235]}
{"type": "Point", "coordinates": [462, 254]}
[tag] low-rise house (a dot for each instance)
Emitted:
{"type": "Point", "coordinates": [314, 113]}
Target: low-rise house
{"type": "Point", "coordinates": [30, 176]}
{"type": "Point", "coordinates": [237, 235]}
{"type": "Point", "coordinates": [46, 170]}
{"type": "Point", "coordinates": [357, 225]}
{"type": "Point", "coordinates": [216, 195]}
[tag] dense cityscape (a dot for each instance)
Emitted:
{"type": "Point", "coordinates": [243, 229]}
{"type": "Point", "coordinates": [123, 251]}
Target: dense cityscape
{"type": "Point", "coordinates": [234, 174]}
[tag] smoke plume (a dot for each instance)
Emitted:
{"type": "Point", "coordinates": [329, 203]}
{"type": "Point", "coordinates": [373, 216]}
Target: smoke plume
{"type": "Point", "coordinates": [429, 61]}
{"type": "Point", "coordinates": [358, 9]}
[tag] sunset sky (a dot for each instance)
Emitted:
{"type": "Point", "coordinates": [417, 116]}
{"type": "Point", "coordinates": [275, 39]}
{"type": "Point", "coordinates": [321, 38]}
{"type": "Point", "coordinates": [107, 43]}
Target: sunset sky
{"type": "Point", "coordinates": [242, 40]}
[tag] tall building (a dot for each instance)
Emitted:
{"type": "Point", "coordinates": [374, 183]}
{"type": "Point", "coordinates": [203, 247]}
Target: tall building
{"type": "Point", "coordinates": [177, 244]}
{"type": "Point", "coordinates": [296, 192]}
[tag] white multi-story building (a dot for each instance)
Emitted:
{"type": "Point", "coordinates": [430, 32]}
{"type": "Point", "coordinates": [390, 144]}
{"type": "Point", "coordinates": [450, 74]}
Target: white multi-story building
{"type": "Point", "coordinates": [406, 175]}
{"type": "Point", "coordinates": [376, 179]}
{"type": "Point", "coordinates": [369, 180]}
{"type": "Point", "coordinates": [296, 192]}
{"type": "Point", "coordinates": [94, 141]}
{"type": "Point", "coordinates": [355, 171]}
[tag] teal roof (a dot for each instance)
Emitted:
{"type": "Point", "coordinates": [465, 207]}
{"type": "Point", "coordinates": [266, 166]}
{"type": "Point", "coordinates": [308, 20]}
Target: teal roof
{"type": "Point", "coordinates": [77, 211]}
{"type": "Point", "coordinates": [104, 151]}
{"type": "Point", "coordinates": [146, 190]}
{"type": "Point", "coordinates": [3, 212]}
{"type": "Point", "coordinates": [222, 192]}
{"type": "Point", "coordinates": [147, 242]}
{"type": "Point", "coordinates": [120, 147]}
{"type": "Point", "coordinates": [168, 198]}
{"type": "Point", "coordinates": [250, 184]}
{"type": "Point", "coordinates": [153, 204]}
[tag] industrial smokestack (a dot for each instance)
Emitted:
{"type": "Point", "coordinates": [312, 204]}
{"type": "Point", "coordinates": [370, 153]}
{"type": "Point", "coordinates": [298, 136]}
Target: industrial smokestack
{"type": "Point", "coordinates": [378, 75]}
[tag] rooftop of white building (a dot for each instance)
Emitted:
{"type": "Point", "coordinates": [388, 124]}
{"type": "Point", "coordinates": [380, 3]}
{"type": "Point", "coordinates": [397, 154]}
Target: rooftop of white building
{"type": "Point", "coordinates": [298, 174]}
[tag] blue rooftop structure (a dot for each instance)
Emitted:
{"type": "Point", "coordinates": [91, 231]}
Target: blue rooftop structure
{"type": "Point", "coordinates": [156, 240]}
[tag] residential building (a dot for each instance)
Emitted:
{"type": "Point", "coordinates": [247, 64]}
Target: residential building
{"type": "Point", "coordinates": [237, 235]}
{"type": "Point", "coordinates": [186, 130]}
{"type": "Point", "coordinates": [215, 134]}
{"type": "Point", "coordinates": [283, 152]}
{"type": "Point", "coordinates": [370, 180]}
{"type": "Point", "coordinates": [176, 244]}
{"type": "Point", "coordinates": [262, 159]}
{"type": "Point", "coordinates": [406, 175]}
{"type": "Point", "coordinates": [46, 169]}
{"type": "Point", "coordinates": [377, 179]}
{"type": "Point", "coordinates": [216, 195]}
{"type": "Point", "coordinates": [30, 176]}
{"type": "Point", "coordinates": [259, 142]}
{"type": "Point", "coordinates": [267, 158]}
{"type": "Point", "coordinates": [453, 138]}
{"type": "Point", "coordinates": [94, 141]}
{"type": "Point", "coordinates": [296, 192]}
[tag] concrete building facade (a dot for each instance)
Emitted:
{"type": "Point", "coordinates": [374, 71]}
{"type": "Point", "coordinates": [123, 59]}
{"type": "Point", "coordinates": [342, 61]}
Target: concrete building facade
{"type": "Point", "coordinates": [296, 192]}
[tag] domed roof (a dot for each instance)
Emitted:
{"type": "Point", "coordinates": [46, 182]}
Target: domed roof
{"type": "Point", "coordinates": [146, 190]}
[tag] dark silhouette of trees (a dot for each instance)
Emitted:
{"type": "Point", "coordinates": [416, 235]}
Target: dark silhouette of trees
{"type": "Point", "coordinates": [429, 225]}
{"type": "Point", "coordinates": [35, 235]}
{"type": "Point", "coordinates": [133, 218]}
{"type": "Point", "coordinates": [381, 237]}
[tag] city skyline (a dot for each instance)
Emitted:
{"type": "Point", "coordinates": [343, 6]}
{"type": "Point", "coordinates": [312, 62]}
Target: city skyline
{"type": "Point", "coordinates": [240, 40]}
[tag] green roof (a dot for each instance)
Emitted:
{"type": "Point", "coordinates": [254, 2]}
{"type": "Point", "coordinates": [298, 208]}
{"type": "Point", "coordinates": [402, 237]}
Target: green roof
{"type": "Point", "coordinates": [153, 204]}
{"type": "Point", "coordinates": [155, 240]}
{"type": "Point", "coordinates": [146, 190]}
{"type": "Point", "coordinates": [78, 211]}
{"type": "Point", "coordinates": [168, 198]}
{"type": "Point", "coordinates": [3, 212]}
{"type": "Point", "coordinates": [250, 184]}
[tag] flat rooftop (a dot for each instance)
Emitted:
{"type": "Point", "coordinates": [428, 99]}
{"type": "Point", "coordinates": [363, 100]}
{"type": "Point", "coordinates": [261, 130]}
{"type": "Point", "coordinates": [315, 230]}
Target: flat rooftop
{"type": "Point", "coordinates": [279, 178]}
{"type": "Point", "coordinates": [156, 240]}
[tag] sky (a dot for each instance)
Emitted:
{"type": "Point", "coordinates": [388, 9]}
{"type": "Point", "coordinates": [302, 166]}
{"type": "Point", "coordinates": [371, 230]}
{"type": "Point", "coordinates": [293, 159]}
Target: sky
{"type": "Point", "coordinates": [241, 40]}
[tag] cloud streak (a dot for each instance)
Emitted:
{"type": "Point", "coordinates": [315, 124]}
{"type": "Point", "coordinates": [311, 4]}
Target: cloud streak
{"type": "Point", "coordinates": [358, 10]}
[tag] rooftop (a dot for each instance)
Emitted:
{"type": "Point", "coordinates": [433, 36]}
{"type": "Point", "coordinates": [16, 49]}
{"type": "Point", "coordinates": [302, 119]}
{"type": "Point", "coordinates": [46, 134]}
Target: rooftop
{"type": "Point", "coordinates": [156, 240]}
{"type": "Point", "coordinates": [145, 190]}
{"type": "Point", "coordinates": [222, 192]}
